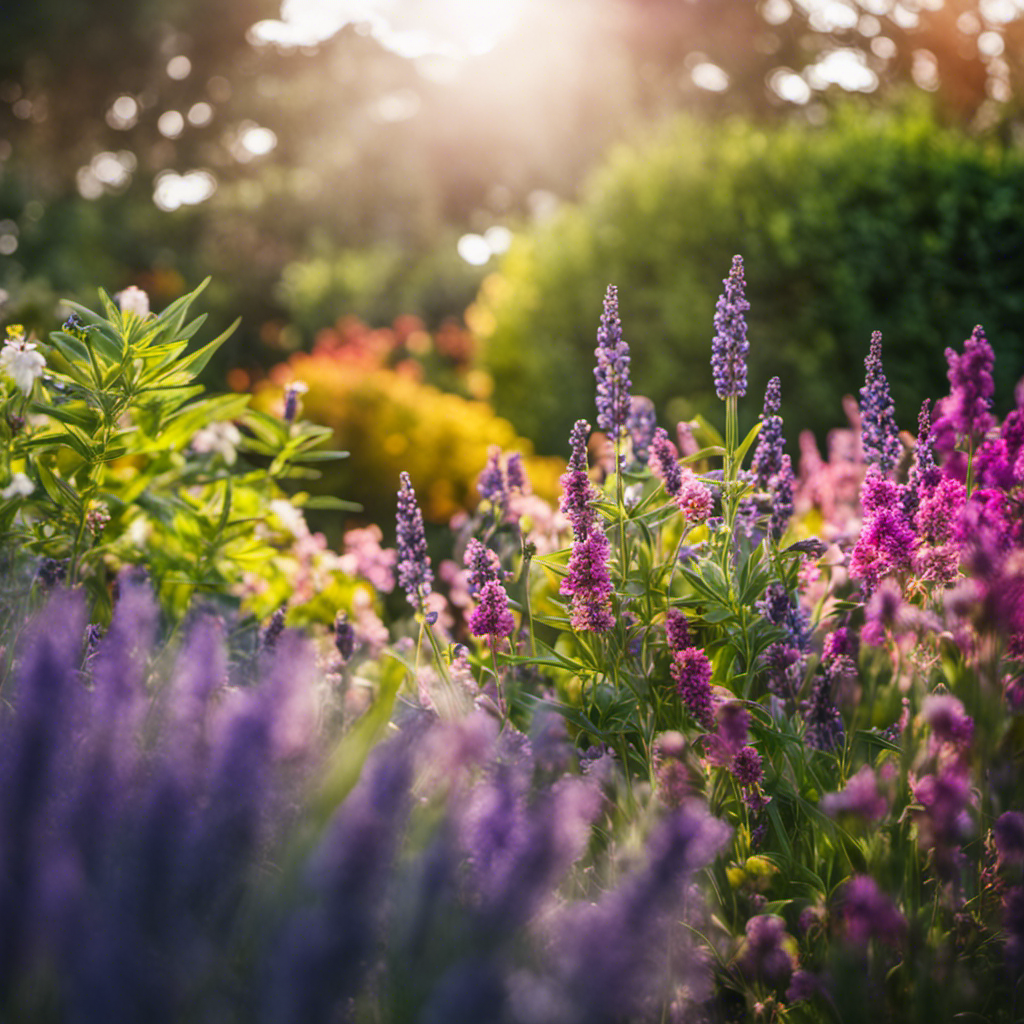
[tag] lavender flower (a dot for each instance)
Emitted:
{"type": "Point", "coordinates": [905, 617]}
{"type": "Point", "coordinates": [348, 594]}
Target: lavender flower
{"type": "Point", "coordinates": [291, 399]}
{"type": "Point", "coordinates": [664, 462]}
{"type": "Point", "coordinates": [515, 474]}
{"type": "Point", "coordinates": [612, 370]}
{"type": "Point", "coordinates": [781, 489]}
{"type": "Point", "coordinates": [879, 434]}
{"type": "Point", "coordinates": [1008, 833]}
{"type": "Point", "coordinates": [414, 573]}
{"type": "Point", "coordinates": [491, 616]}
{"type": "Point", "coordinates": [924, 474]}
{"type": "Point", "coordinates": [344, 637]}
{"type": "Point", "coordinates": [677, 631]}
{"type": "Point", "coordinates": [641, 425]}
{"type": "Point", "coordinates": [746, 766]}
{"type": "Point", "coordinates": [867, 913]}
{"type": "Point", "coordinates": [966, 411]}
{"type": "Point", "coordinates": [492, 485]}
{"type": "Point", "coordinates": [577, 491]}
{"type": "Point", "coordinates": [860, 798]}
{"type": "Point", "coordinates": [589, 583]}
{"type": "Point", "coordinates": [691, 671]}
{"type": "Point", "coordinates": [482, 564]}
{"type": "Point", "coordinates": [767, 459]}
{"type": "Point", "coordinates": [767, 952]}
{"type": "Point", "coordinates": [824, 724]}
{"type": "Point", "coordinates": [729, 347]}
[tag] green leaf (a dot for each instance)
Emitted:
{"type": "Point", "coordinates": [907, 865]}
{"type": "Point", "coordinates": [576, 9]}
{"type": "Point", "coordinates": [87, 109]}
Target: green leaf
{"type": "Point", "coordinates": [174, 315]}
{"type": "Point", "coordinates": [744, 447]}
{"type": "Point", "coordinates": [318, 456]}
{"type": "Point", "coordinates": [714, 451]}
{"type": "Point", "coordinates": [196, 363]}
{"type": "Point", "coordinates": [712, 433]}
{"type": "Point", "coordinates": [329, 503]}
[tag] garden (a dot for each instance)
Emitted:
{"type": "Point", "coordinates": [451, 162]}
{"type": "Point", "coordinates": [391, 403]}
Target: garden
{"type": "Point", "coordinates": [631, 632]}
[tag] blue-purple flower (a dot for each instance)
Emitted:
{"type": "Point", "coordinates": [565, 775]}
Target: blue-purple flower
{"type": "Point", "coordinates": [612, 370]}
{"type": "Point", "coordinates": [729, 347]}
{"type": "Point", "coordinates": [767, 459]}
{"type": "Point", "coordinates": [577, 490]}
{"type": "Point", "coordinates": [414, 572]}
{"type": "Point", "coordinates": [879, 434]}
{"type": "Point", "coordinates": [641, 424]}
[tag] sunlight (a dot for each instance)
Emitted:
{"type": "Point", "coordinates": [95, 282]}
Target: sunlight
{"type": "Point", "coordinates": [454, 28]}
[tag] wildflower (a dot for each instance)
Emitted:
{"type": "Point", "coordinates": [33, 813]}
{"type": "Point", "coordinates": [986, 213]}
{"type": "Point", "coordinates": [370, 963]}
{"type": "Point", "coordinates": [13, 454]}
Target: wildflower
{"type": "Point", "coordinates": [344, 637]}
{"type": "Point", "coordinates": [291, 399]}
{"type": "Point", "coordinates": [746, 766]}
{"type": "Point", "coordinates": [694, 498]}
{"type": "Point", "coordinates": [767, 459]}
{"type": "Point", "coordinates": [641, 425]}
{"type": "Point", "coordinates": [19, 487]}
{"type": "Point", "coordinates": [483, 565]}
{"type": "Point", "coordinates": [943, 822]}
{"type": "Point", "coordinates": [491, 483]}
{"type": "Point", "coordinates": [781, 490]}
{"type": "Point", "coordinates": [515, 474]}
{"type": "Point", "coordinates": [867, 913]}
{"type": "Point", "coordinates": [691, 671]}
{"type": "Point", "coordinates": [768, 953]}
{"type": "Point", "coordinates": [950, 724]}
{"type": "Point", "coordinates": [965, 413]}
{"type": "Point", "coordinates": [133, 300]}
{"type": "Point", "coordinates": [577, 491]}
{"type": "Point", "coordinates": [218, 438]}
{"type": "Point", "coordinates": [729, 347]}
{"type": "Point", "coordinates": [824, 724]}
{"type": "Point", "coordinates": [491, 616]}
{"type": "Point", "coordinates": [859, 798]}
{"type": "Point", "coordinates": [677, 631]}
{"type": "Point", "coordinates": [21, 362]}
{"type": "Point", "coordinates": [268, 641]}
{"type": "Point", "coordinates": [733, 724]}
{"type": "Point", "coordinates": [1008, 833]}
{"type": "Point", "coordinates": [879, 435]}
{"type": "Point", "coordinates": [414, 573]}
{"type": "Point", "coordinates": [612, 370]}
{"type": "Point", "coordinates": [924, 474]}
{"type": "Point", "coordinates": [589, 583]}
{"type": "Point", "coordinates": [939, 510]}
{"type": "Point", "coordinates": [882, 613]}
{"type": "Point", "coordinates": [664, 462]}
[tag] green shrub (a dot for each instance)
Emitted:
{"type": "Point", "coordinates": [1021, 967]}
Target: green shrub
{"type": "Point", "coordinates": [874, 222]}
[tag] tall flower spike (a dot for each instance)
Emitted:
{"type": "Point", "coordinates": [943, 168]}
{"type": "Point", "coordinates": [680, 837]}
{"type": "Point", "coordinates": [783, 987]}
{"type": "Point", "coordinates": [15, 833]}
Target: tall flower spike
{"type": "Point", "coordinates": [576, 487]}
{"type": "Point", "coordinates": [642, 423]}
{"type": "Point", "coordinates": [879, 434]}
{"type": "Point", "coordinates": [491, 616]}
{"type": "Point", "coordinates": [612, 370]}
{"type": "Point", "coordinates": [664, 461]}
{"type": "Point", "coordinates": [767, 459]}
{"type": "Point", "coordinates": [414, 573]}
{"type": "Point", "coordinates": [729, 347]}
{"type": "Point", "coordinates": [492, 484]}
{"type": "Point", "coordinates": [781, 488]}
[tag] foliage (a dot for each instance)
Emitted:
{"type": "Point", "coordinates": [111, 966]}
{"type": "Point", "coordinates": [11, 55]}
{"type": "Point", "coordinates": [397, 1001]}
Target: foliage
{"type": "Point", "coordinates": [112, 457]}
{"type": "Point", "coordinates": [870, 223]}
{"type": "Point", "coordinates": [367, 387]}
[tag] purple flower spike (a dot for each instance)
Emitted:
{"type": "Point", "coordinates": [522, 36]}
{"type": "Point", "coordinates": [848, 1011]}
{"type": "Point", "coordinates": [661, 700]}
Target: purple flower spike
{"type": "Point", "coordinates": [691, 671]}
{"type": "Point", "coordinates": [879, 434]}
{"type": "Point", "coordinates": [414, 573]}
{"type": "Point", "coordinates": [781, 489]}
{"type": "Point", "coordinates": [665, 462]}
{"type": "Point", "coordinates": [483, 565]}
{"type": "Point", "coordinates": [767, 461]}
{"type": "Point", "coordinates": [860, 798]}
{"type": "Point", "coordinates": [577, 490]}
{"type": "Point", "coordinates": [491, 616]}
{"type": "Point", "coordinates": [868, 913]}
{"type": "Point", "coordinates": [492, 484]}
{"type": "Point", "coordinates": [515, 474]}
{"type": "Point", "coordinates": [589, 583]}
{"type": "Point", "coordinates": [729, 347]}
{"type": "Point", "coordinates": [924, 474]}
{"type": "Point", "coordinates": [641, 424]}
{"type": "Point", "coordinates": [612, 370]}
{"type": "Point", "coordinates": [765, 955]}
{"type": "Point", "coordinates": [971, 387]}
{"type": "Point", "coordinates": [677, 631]}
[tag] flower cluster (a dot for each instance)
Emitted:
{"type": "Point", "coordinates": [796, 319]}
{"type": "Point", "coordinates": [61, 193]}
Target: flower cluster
{"type": "Point", "coordinates": [612, 370]}
{"type": "Point", "coordinates": [879, 435]}
{"type": "Point", "coordinates": [414, 572]}
{"type": "Point", "coordinates": [729, 347]}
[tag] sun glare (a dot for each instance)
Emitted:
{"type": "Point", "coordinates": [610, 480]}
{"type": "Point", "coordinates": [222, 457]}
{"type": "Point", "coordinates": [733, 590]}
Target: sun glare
{"type": "Point", "coordinates": [453, 28]}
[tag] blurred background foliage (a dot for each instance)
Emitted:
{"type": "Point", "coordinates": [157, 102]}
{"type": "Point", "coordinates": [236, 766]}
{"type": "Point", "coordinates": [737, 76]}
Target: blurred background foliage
{"type": "Point", "coordinates": [333, 158]}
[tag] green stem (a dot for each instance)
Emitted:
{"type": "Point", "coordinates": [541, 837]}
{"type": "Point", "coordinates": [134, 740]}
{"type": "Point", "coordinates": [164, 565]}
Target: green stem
{"type": "Point", "coordinates": [620, 501]}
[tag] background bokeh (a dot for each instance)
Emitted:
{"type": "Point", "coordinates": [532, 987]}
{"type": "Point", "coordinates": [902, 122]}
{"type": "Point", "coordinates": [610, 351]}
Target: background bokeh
{"type": "Point", "coordinates": [326, 160]}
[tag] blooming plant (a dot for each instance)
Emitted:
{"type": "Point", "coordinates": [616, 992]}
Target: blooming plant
{"type": "Point", "coordinates": [112, 456]}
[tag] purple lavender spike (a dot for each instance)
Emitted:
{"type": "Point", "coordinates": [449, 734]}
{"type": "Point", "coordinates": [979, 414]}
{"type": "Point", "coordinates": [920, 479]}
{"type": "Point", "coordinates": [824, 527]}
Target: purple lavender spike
{"type": "Point", "coordinates": [729, 347]}
{"type": "Point", "coordinates": [612, 370]}
{"type": "Point", "coordinates": [879, 434]}
{"type": "Point", "coordinates": [414, 572]}
{"type": "Point", "coordinates": [767, 460]}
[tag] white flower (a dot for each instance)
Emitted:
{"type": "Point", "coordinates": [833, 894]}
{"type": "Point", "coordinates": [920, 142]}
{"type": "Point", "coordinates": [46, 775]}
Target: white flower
{"type": "Point", "coordinates": [20, 485]}
{"type": "Point", "coordinates": [290, 518]}
{"type": "Point", "coordinates": [133, 300]}
{"type": "Point", "coordinates": [217, 437]}
{"type": "Point", "coordinates": [22, 363]}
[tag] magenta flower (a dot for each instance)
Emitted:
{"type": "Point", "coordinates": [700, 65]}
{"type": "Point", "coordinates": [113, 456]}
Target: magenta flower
{"type": "Point", "coordinates": [694, 498]}
{"type": "Point", "coordinates": [677, 631]}
{"type": "Point", "coordinates": [867, 913]}
{"type": "Point", "coordinates": [577, 490]}
{"type": "Point", "coordinates": [966, 411]}
{"type": "Point", "coordinates": [589, 584]}
{"type": "Point", "coordinates": [691, 671]}
{"type": "Point", "coordinates": [879, 434]}
{"type": "Point", "coordinates": [491, 617]}
{"type": "Point", "coordinates": [664, 462]}
{"type": "Point", "coordinates": [860, 798]}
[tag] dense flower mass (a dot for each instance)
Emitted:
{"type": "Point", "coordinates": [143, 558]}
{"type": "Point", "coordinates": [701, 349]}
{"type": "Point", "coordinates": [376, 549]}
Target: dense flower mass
{"type": "Point", "coordinates": [612, 370]}
{"type": "Point", "coordinates": [967, 410]}
{"type": "Point", "coordinates": [691, 671]}
{"type": "Point", "coordinates": [414, 572]}
{"type": "Point", "coordinates": [729, 347]}
{"type": "Point", "coordinates": [491, 617]}
{"type": "Point", "coordinates": [589, 583]}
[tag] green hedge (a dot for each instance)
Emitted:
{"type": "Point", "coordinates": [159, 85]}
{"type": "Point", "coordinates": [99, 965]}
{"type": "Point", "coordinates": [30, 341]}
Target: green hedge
{"type": "Point", "coordinates": [874, 222]}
